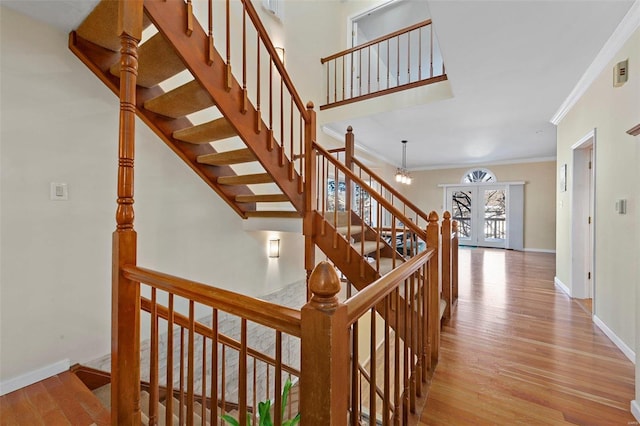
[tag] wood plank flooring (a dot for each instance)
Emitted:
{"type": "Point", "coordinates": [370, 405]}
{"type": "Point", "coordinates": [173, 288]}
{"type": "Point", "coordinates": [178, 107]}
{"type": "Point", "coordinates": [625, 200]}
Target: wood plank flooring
{"type": "Point", "coordinates": [59, 400]}
{"type": "Point", "coordinates": [518, 351]}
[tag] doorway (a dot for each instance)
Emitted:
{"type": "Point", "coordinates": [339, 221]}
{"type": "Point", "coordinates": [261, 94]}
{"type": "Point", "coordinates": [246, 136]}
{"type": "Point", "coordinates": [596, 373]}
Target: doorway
{"type": "Point", "coordinates": [481, 212]}
{"type": "Point", "coordinates": [583, 221]}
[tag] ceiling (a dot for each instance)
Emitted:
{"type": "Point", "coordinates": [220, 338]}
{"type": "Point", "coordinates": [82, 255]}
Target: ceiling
{"type": "Point", "coordinates": [510, 65]}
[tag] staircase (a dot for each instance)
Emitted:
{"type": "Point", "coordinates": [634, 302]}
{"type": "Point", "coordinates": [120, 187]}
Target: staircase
{"type": "Point", "coordinates": [221, 99]}
{"type": "Point", "coordinates": [233, 150]}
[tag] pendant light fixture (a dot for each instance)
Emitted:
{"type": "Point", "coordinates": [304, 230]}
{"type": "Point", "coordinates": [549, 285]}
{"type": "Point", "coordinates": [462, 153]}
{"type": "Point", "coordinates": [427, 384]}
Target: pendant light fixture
{"type": "Point", "coordinates": [402, 174]}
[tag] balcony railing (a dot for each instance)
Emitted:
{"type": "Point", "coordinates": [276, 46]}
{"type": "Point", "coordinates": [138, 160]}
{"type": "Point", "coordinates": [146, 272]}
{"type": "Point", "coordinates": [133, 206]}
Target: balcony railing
{"type": "Point", "coordinates": [494, 227]}
{"type": "Point", "coordinates": [404, 59]}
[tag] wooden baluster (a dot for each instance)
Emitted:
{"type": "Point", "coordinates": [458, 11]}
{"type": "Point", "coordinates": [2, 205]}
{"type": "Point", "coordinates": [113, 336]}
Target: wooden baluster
{"type": "Point", "coordinates": [292, 162]}
{"type": "Point", "coordinates": [419, 53]}
{"type": "Point", "coordinates": [355, 375]}
{"type": "Point", "coordinates": [424, 322]}
{"type": "Point", "coordinates": [409, 57]}
{"type": "Point", "coordinates": [270, 145]}
{"type": "Point", "coordinates": [454, 263]}
{"type": "Point", "coordinates": [203, 389]}
{"type": "Point", "coordinates": [181, 393]}
{"type": "Point", "coordinates": [397, 61]}
{"type": "Point", "coordinates": [348, 161]}
{"type": "Point", "coordinates": [388, 66]}
{"type": "Point", "coordinates": [431, 51]}
{"type": "Point", "coordinates": [378, 66]}
{"type": "Point", "coordinates": [282, 143]}
{"type": "Point", "coordinates": [406, 362]}
{"type": "Point", "coordinates": [325, 355]}
{"type": "Point", "coordinates": [419, 323]}
{"type": "Point", "coordinates": [153, 362]}
{"type": "Point", "coordinates": [301, 159]}
{"type": "Point", "coordinates": [245, 96]}
{"type": "Point", "coordinates": [191, 364]}
{"type": "Point", "coordinates": [125, 314]}
{"type": "Point", "coordinates": [413, 344]}
{"type": "Point", "coordinates": [359, 72]}
{"type": "Point", "coordinates": [369, 69]}
{"type": "Point", "coordinates": [396, 358]}
{"type": "Point", "coordinates": [169, 401]}
{"type": "Point", "coordinates": [328, 83]}
{"type": "Point", "coordinates": [335, 79]}
{"type": "Point", "coordinates": [373, 366]}
{"type": "Point", "coordinates": [214, 365]}
{"type": "Point", "coordinates": [278, 380]}
{"type": "Point", "coordinates": [242, 374]}
{"type": "Point", "coordinates": [211, 49]}
{"type": "Point", "coordinates": [228, 75]}
{"type": "Point", "coordinates": [343, 78]}
{"type": "Point", "coordinates": [445, 231]}
{"type": "Point", "coordinates": [255, 391]}
{"type": "Point", "coordinates": [386, 409]}
{"type": "Point", "coordinates": [189, 22]}
{"type": "Point", "coordinates": [310, 192]}
{"type": "Point", "coordinates": [433, 241]}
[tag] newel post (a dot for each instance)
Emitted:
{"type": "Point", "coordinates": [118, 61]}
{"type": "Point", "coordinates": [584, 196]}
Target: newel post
{"type": "Point", "coordinates": [324, 376]}
{"type": "Point", "coordinates": [446, 264]}
{"type": "Point", "coordinates": [125, 304]}
{"type": "Point", "coordinates": [433, 241]}
{"type": "Point", "coordinates": [310, 176]}
{"type": "Point", "coordinates": [454, 263]}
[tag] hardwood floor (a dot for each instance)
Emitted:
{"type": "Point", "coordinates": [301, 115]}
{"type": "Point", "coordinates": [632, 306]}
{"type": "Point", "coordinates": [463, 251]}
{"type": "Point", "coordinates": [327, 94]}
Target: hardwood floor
{"type": "Point", "coordinates": [519, 351]}
{"type": "Point", "coordinates": [59, 400]}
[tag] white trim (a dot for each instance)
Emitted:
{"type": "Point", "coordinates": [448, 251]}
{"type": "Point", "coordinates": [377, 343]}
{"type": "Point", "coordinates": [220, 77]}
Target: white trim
{"type": "Point", "coordinates": [33, 376]}
{"type": "Point", "coordinates": [537, 250]}
{"type": "Point", "coordinates": [448, 185]}
{"type": "Point", "coordinates": [635, 409]}
{"type": "Point", "coordinates": [583, 140]}
{"type": "Point", "coordinates": [561, 285]}
{"type": "Point", "coordinates": [626, 350]}
{"type": "Point", "coordinates": [490, 163]}
{"type": "Point", "coordinates": [625, 29]}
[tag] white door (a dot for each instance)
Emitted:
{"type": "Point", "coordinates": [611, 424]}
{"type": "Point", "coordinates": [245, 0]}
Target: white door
{"type": "Point", "coordinates": [481, 212]}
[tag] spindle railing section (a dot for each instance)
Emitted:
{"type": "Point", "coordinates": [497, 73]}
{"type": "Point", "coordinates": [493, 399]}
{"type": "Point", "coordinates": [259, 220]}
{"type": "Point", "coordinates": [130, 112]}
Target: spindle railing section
{"type": "Point", "coordinates": [404, 59]}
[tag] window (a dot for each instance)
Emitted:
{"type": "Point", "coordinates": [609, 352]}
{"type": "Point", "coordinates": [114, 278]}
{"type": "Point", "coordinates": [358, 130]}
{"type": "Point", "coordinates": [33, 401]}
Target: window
{"type": "Point", "coordinates": [478, 176]}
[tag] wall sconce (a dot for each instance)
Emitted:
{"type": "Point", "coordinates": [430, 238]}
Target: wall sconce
{"type": "Point", "coordinates": [280, 52]}
{"type": "Point", "coordinates": [274, 248]}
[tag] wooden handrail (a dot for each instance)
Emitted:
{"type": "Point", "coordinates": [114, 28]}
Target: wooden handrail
{"type": "Point", "coordinates": [381, 200]}
{"type": "Point", "coordinates": [268, 314]}
{"type": "Point", "coordinates": [205, 330]}
{"type": "Point", "coordinates": [362, 301]}
{"type": "Point", "coordinates": [377, 40]}
{"type": "Point", "coordinates": [383, 183]}
{"type": "Point", "coordinates": [264, 35]}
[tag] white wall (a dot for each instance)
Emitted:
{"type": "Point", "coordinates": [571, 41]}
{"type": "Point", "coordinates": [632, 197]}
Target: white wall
{"type": "Point", "coordinates": [611, 111]}
{"type": "Point", "coordinates": [59, 124]}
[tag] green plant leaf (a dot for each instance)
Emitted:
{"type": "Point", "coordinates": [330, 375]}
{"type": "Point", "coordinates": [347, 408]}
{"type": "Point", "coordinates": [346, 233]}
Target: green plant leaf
{"type": "Point", "coordinates": [230, 420]}
{"type": "Point", "coordinates": [285, 396]}
{"type": "Point", "coordinates": [294, 421]}
{"type": "Point", "coordinates": [264, 409]}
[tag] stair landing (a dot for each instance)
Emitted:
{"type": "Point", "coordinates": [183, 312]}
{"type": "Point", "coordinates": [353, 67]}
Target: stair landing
{"type": "Point", "coordinates": [59, 400]}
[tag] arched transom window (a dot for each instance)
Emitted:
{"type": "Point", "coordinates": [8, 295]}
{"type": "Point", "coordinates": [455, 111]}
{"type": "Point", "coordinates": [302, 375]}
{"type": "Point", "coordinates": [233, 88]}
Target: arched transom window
{"type": "Point", "coordinates": [479, 176]}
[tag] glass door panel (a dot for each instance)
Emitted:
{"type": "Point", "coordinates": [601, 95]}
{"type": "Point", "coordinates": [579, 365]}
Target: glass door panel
{"type": "Point", "coordinates": [494, 217]}
{"type": "Point", "coordinates": [461, 210]}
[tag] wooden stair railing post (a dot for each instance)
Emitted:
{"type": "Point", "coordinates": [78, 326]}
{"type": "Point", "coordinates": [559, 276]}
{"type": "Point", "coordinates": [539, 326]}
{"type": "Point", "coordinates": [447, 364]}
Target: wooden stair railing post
{"type": "Point", "coordinates": [324, 373]}
{"type": "Point", "coordinates": [349, 186]}
{"type": "Point", "coordinates": [310, 176]}
{"type": "Point", "coordinates": [125, 304]}
{"type": "Point", "coordinates": [454, 263]}
{"type": "Point", "coordinates": [446, 264]}
{"type": "Point", "coordinates": [433, 241]}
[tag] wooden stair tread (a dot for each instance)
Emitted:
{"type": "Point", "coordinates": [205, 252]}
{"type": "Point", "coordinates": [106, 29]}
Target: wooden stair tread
{"type": "Point", "coordinates": [386, 264]}
{"type": "Point", "coordinates": [289, 214]}
{"type": "Point", "coordinates": [157, 61]}
{"type": "Point", "coordinates": [262, 198]}
{"type": "Point", "coordinates": [369, 246]}
{"type": "Point", "coordinates": [181, 101]}
{"type": "Point", "coordinates": [100, 26]}
{"type": "Point", "coordinates": [245, 179]}
{"type": "Point", "coordinates": [207, 132]}
{"type": "Point", "coordinates": [355, 230]}
{"type": "Point", "coordinates": [227, 158]}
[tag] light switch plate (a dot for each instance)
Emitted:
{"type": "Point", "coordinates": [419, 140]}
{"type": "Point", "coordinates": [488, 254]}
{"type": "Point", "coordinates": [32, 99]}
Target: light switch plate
{"type": "Point", "coordinates": [59, 191]}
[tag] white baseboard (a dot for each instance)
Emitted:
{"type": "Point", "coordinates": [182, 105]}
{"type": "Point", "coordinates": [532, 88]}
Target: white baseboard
{"type": "Point", "coordinates": [33, 376]}
{"type": "Point", "coordinates": [537, 250]}
{"type": "Point", "coordinates": [635, 409]}
{"type": "Point", "coordinates": [626, 350]}
{"type": "Point", "coordinates": [561, 285]}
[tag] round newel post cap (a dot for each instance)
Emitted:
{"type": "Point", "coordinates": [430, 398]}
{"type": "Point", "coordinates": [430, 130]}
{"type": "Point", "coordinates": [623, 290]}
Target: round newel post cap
{"type": "Point", "coordinates": [349, 129]}
{"type": "Point", "coordinates": [310, 105]}
{"type": "Point", "coordinates": [433, 216]}
{"type": "Point", "coordinates": [324, 284]}
{"type": "Point", "coordinates": [446, 215]}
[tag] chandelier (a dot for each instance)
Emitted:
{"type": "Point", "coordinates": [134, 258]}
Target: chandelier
{"type": "Point", "coordinates": [402, 174]}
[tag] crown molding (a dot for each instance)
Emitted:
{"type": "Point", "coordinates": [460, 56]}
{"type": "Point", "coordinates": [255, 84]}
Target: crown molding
{"type": "Point", "coordinates": [483, 164]}
{"type": "Point", "coordinates": [625, 29]}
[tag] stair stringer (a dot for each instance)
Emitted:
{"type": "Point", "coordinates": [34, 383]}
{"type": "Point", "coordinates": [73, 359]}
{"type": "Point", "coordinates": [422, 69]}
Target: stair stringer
{"type": "Point", "coordinates": [352, 270]}
{"type": "Point", "coordinates": [99, 59]}
{"type": "Point", "coordinates": [169, 18]}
